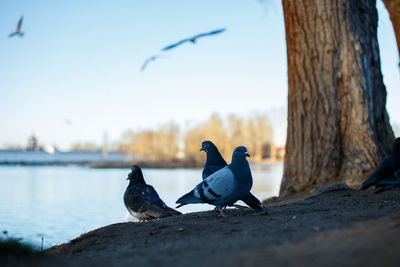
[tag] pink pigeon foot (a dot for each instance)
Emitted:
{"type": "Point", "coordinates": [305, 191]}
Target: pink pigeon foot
{"type": "Point", "coordinates": [222, 214]}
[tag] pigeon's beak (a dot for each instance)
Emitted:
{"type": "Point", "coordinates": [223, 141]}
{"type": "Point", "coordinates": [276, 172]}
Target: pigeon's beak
{"type": "Point", "coordinates": [202, 149]}
{"type": "Point", "coordinates": [127, 178]}
{"type": "Point", "coordinates": [247, 154]}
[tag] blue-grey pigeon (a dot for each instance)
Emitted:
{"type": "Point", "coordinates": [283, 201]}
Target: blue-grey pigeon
{"type": "Point", "coordinates": [387, 168]}
{"type": "Point", "coordinates": [215, 162]}
{"type": "Point", "coordinates": [142, 201]}
{"type": "Point", "coordinates": [225, 186]}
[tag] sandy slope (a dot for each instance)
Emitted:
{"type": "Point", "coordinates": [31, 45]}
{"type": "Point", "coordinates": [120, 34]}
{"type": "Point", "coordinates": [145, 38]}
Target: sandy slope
{"type": "Point", "coordinates": [344, 227]}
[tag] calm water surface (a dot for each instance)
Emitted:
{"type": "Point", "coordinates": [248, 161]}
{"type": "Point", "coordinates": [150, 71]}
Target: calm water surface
{"type": "Point", "coordinates": [61, 203]}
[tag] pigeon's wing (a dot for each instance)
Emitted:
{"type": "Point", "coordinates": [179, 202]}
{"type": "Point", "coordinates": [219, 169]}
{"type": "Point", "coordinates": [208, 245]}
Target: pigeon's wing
{"type": "Point", "coordinates": [208, 33]}
{"type": "Point", "coordinates": [219, 185]}
{"type": "Point", "coordinates": [252, 202]}
{"type": "Point", "coordinates": [175, 45]}
{"type": "Point", "coordinates": [161, 209]}
{"type": "Point", "coordinates": [135, 199]}
{"type": "Point", "coordinates": [384, 170]}
{"type": "Point", "coordinates": [141, 199]}
{"type": "Point", "coordinates": [19, 24]}
{"type": "Point", "coordinates": [214, 189]}
{"type": "Point", "coordinates": [154, 197]}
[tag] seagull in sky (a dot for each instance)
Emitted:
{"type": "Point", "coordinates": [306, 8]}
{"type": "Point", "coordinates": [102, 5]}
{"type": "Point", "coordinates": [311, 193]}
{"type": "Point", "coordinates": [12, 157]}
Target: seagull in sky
{"type": "Point", "coordinates": [18, 29]}
{"type": "Point", "coordinates": [148, 60]}
{"type": "Point", "coordinates": [193, 39]}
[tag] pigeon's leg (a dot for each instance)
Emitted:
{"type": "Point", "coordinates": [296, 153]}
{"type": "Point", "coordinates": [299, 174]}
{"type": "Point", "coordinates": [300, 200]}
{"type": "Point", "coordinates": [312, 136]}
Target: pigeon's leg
{"type": "Point", "coordinates": [239, 206]}
{"type": "Point", "coordinates": [221, 213]}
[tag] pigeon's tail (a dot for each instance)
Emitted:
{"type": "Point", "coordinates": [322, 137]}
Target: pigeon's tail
{"type": "Point", "coordinates": [172, 211]}
{"type": "Point", "coordinates": [369, 182]}
{"type": "Point", "coordinates": [387, 185]}
{"type": "Point", "coordinates": [189, 198]}
{"type": "Point", "coordinates": [252, 202]}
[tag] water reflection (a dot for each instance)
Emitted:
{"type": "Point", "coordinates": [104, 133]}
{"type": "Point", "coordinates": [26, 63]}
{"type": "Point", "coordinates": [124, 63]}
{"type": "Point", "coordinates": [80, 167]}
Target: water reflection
{"type": "Point", "coordinates": [61, 203]}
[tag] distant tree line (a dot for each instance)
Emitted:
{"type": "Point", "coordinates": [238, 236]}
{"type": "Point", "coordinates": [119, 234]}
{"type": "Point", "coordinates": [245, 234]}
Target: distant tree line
{"type": "Point", "coordinates": [168, 142]}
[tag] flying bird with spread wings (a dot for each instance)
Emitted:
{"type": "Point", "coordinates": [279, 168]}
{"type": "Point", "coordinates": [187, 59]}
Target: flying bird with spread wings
{"type": "Point", "coordinates": [148, 60]}
{"type": "Point", "coordinates": [193, 39]}
{"type": "Point", "coordinates": [18, 29]}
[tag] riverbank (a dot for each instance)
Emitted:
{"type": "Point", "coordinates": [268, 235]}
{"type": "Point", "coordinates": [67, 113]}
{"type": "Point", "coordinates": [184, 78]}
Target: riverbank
{"type": "Point", "coordinates": [341, 227]}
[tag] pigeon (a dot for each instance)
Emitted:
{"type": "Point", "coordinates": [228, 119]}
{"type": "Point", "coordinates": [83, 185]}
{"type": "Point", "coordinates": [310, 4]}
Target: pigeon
{"type": "Point", "coordinates": [142, 201]}
{"type": "Point", "coordinates": [225, 186]}
{"type": "Point", "coordinates": [215, 162]}
{"type": "Point", "coordinates": [387, 168]}
{"type": "Point", "coordinates": [148, 60]}
{"type": "Point", "coordinates": [18, 29]}
{"type": "Point", "coordinates": [389, 183]}
{"type": "Point", "coordinates": [193, 39]}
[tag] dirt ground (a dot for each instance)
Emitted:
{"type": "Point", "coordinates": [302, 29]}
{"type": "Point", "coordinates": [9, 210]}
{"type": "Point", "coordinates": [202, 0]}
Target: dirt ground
{"type": "Point", "coordinates": [337, 227]}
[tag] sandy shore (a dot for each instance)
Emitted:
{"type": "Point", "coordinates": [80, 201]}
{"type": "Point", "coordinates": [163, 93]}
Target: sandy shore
{"type": "Point", "coordinates": [342, 227]}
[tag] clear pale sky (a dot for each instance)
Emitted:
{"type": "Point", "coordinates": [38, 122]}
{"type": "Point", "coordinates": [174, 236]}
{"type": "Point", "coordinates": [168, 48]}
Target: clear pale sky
{"type": "Point", "coordinates": [79, 61]}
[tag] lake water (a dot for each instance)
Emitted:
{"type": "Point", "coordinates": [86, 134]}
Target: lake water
{"type": "Point", "coordinates": [61, 203]}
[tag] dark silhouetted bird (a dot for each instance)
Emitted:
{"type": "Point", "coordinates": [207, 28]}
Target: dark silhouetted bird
{"type": "Point", "coordinates": [18, 29]}
{"type": "Point", "coordinates": [147, 61]}
{"type": "Point", "coordinates": [389, 183]}
{"type": "Point", "coordinates": [387, 168]}
{"type": "Point", "coordinates": [225, 186]}
{"type": "Point", "coordinates": [215, 162]}
{"type": "Point", "coordinates": [193, 39]}
{"type": "Point", "coordinates": [142, 201]}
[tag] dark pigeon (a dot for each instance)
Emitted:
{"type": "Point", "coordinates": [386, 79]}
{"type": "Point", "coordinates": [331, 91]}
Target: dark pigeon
{"type": "Point", "coordinates": [142, 201]}
{"type": "Point", "coordinates": [387, 168]}
{"type": "Point", "coordinates": [216, 162]}
{"type": "Point", "coordinates": [224, 187]}
{"type": "Point", "coordinates": [18, 29]}
{"type": "Point", "coordinates": [193, 39]}
{"type": "Point", "coordinates": [389, 183]}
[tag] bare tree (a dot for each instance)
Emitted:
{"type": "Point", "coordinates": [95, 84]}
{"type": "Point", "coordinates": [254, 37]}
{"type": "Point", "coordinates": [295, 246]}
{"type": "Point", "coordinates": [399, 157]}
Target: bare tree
{"type": "Point", "coordinates": [338, 127]}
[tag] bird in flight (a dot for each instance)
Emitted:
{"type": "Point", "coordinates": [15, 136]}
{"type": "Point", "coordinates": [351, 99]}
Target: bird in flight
{"type": "Point", "coordinates": [148, 60]}
{"type": "Point", "coordinates": [193, 39]}
{"type": "Point", "coordinates": [68, 122]}
{"type": "Point", "coordinates": [18, 29]}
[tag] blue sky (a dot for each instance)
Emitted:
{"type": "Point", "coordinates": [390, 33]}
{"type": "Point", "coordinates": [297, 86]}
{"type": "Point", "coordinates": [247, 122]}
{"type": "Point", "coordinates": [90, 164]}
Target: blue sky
{"type": "Point", "coordinates": [80, 60]}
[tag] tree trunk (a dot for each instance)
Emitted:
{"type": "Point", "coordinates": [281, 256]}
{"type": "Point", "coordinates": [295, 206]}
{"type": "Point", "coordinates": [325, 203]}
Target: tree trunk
{"type": "Point", "coordinates": [338, 128]}
{"type": "Point", "coordinates": [393, 7]}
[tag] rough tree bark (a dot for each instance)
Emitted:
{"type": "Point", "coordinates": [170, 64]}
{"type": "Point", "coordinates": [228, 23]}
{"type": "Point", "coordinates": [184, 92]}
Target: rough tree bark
{"type": "Point", "coordinates": [393, 7]}
{"type": "Point", "coordinates": [338, 128]}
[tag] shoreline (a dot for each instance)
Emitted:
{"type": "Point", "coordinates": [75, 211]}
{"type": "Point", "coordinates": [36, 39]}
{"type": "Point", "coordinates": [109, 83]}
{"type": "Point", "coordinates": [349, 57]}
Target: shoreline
{"type": "Point", "coordinates": [143, 164]}
{"type": "Point", "coordinates": [335, 227]}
